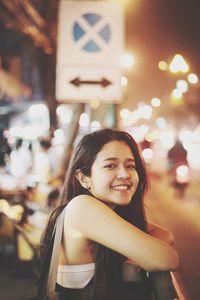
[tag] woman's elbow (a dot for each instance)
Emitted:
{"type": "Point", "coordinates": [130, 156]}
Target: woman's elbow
{"type": "Point", "coordinates": [170, 263]}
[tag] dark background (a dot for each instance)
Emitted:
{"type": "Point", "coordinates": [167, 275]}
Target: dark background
{"type": "Point", "coordinates": [154, 30]}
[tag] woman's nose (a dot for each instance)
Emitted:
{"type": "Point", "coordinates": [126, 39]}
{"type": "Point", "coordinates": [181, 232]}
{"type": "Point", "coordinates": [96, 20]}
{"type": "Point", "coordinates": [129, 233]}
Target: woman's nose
{"type": "Point", "coordinates": [122, 174]}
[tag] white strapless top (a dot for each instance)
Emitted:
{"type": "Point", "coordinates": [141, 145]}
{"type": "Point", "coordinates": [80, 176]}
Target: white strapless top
{"type": "Point", "coordinates": [75, 276]}
{"type": "Point", "coordinates": [78, 276]}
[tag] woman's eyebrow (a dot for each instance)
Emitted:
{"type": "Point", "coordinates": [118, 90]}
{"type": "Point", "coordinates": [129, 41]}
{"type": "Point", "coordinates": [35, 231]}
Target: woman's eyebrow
{"type": "Point", "coordinates": [110, 158]}
{"type": "Point", "coordinates": [115, 159]}
{"type": "Point", "coordinates": [131, 160]}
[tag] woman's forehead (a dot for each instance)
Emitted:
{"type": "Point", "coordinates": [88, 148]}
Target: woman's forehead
{"type": "Point", "coordinates": [115, 149]}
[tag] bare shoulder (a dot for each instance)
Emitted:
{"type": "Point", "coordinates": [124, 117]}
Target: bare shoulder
{"type": "Point", "coordinates": [84, 205]}
{"type": "Point", "coordinates": [84, 199]}
{"type": "Point", "coordinates": [92, 218]}
{"type": "Point", "coordinates": [89, 217]}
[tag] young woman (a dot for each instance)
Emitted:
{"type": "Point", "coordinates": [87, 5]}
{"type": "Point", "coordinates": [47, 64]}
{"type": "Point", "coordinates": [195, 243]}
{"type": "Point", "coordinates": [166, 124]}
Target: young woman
{"type": "Point", "coordinates": [107, 245]}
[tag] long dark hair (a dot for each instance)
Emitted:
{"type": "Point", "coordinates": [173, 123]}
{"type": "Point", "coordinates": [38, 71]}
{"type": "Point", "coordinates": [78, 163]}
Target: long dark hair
{"type": "Point", "coordinates": [83, 159]}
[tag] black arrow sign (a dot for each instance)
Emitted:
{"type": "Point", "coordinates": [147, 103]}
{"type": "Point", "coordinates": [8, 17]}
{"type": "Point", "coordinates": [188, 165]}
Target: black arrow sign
{"type": "Point", "coordinates": [103, 82]}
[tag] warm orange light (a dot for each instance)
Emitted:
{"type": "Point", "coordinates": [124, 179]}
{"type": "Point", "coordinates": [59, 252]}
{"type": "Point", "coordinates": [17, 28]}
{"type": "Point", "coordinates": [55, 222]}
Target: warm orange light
{"type": "Point", "coordinates": [162, 65]}
{"type": "Point", "coordinates": [94, 103]}
{"type": "Point", "coordinates": [176, 97]}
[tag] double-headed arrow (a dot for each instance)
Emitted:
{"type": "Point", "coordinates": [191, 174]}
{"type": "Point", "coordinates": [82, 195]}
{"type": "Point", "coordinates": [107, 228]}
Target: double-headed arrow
{"type": "Point", "coordinates": [103, 82]}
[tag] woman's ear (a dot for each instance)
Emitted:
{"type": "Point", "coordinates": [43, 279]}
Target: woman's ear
{"type": "Point", "coordinates": [83, 179]}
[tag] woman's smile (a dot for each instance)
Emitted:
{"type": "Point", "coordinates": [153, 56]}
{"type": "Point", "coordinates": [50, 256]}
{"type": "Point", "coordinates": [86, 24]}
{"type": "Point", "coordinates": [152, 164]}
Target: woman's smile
{"type": "Point", "coordinates": [120, 187]}
{"type": "Point", "coordinates": [114, 178]}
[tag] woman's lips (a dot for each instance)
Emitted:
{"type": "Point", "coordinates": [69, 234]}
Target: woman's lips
{"type": "Point", "coordinates": [121, 187]}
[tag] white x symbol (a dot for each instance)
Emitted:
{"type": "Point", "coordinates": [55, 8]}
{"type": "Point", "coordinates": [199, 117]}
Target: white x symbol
{"type": "Point", "coordinates": [91, 33]}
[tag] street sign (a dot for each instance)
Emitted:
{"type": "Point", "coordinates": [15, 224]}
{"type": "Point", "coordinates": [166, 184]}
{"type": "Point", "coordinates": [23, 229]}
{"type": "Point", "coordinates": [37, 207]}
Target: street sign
{"type": "Point", "coordinates": [90, 42]}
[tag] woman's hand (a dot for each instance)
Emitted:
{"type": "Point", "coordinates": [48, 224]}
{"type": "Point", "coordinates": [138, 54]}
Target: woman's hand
{"type": "Point", "coordinates": [160, 233]}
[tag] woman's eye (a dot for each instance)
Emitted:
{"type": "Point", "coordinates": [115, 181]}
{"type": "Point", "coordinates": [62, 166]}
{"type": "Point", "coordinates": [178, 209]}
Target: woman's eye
{"type": "Point", "coordinates": [110, 166]}
{"type": "Point", "coordinates": [130, 167]}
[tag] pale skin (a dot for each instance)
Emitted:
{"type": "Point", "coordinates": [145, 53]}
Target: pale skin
{"type": "Point", "coordinates": [91, 219]}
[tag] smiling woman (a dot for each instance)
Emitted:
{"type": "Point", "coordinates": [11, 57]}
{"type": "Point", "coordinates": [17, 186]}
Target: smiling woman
{"type": "Point", "coordinates": [114, 168]}
{"type": "Point", "coordinates": [107, 248]}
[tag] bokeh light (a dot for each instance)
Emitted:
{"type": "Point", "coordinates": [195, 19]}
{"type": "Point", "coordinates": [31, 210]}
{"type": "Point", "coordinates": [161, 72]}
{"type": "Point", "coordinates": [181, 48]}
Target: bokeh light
{"type": "Point", "coordinates": [182, 85]}
{"type": "Point", "coordinates": [193, 78]}
{"type": "Point", "coordinates": [126, 61]}
{"type": "Point", "coordinates": [155, 102]}
{"type": "Point", "coordinates": [162, 65]}
{"type": "Point", "coordinates": [178, 64]}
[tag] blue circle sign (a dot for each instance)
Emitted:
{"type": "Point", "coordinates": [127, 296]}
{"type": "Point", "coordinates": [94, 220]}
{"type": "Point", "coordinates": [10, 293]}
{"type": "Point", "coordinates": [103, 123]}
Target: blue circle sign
{"type": "Point", "coordinates": [91, 32]}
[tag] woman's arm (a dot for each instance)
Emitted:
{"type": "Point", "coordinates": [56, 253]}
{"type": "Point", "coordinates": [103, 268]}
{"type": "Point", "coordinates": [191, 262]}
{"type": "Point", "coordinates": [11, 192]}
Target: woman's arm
{"type": "Point", "coordinates": [95, 221]}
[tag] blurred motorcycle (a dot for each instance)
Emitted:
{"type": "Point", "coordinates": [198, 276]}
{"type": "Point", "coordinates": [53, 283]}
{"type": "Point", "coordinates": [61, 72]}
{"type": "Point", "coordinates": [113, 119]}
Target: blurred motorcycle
{"type": "Point", "coordinates": [179, 172]}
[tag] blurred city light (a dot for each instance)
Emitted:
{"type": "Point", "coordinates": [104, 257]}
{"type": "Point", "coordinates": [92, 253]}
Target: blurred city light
{"type": "Point", "coordinates": [125, 113]}
{"type": "Point", "coordinates": [193, 78]}
{"type": "Point", "coordinates": [127, 121]}
{"type": "Point", "coordinates": [177, 94]}
{"type": "Point", "coordinates": [155, 102]}
{"type": "Point", "coordinates": [15, 131]}
{"type": "Point", "coordinates": [162, 65]}
{"type": "Point", "coordinates": [37, 116]}
{"type": "Point", "coordinates": [138, 132]}
{"type": "Point", "coordinates": [182, 85]}
{"type": "Point", "coordinates": [147, 154]}
{"type": "Point", "coordinates": [182, 173]}
{"type": "Point", "coordinates": [193, 156]}
{"type": "Point", "coordinates": [150, 136]}
{"type": "Point", "coordinates": [191, 142]}
{"type": "Point", "coordinates": [178, 64]}
{"type": "Point", "coordinates": [176, 97]}
{"type": "Point", "coordinates": [155, 135]}
{"type": "Point", "coordinates": [126, 61]}
{"type": "Point", "coordinates": [94, 104]}
{"type": "Point", "coordinates": [59, 136]}
{"type": "Point", "coordinates": [184, 135]}
{"type": "Point", "coordinates": [196, 136]}
{"type": "Point", "coordinates": [26, 132]}
{"type": "Point", "coordinates": [167, 139]}
{"type": "Point", "coordinates": [95, 125]}
{"type": "Point", "coordinates": [161, 123]}
{"type": "Point", "coordinates": [145, 111]}
{"type": "Point", "coordinates": [84, 120]}
{"type": "Point", "coordinates": [124, 81]}
{"type": "Point", "coordinates": [64, 114]}
{"type": "Point", "coordinates": [135, 116]}
{"type": "Point", "coordinates": [143, 129]}
{"type": "Point", "coordinates": [36, 109]}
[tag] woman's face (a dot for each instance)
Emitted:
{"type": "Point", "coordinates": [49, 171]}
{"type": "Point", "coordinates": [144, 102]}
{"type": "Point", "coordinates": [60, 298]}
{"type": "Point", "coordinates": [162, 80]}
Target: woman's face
{"type": "Point", "coordinates": [114, 178]}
